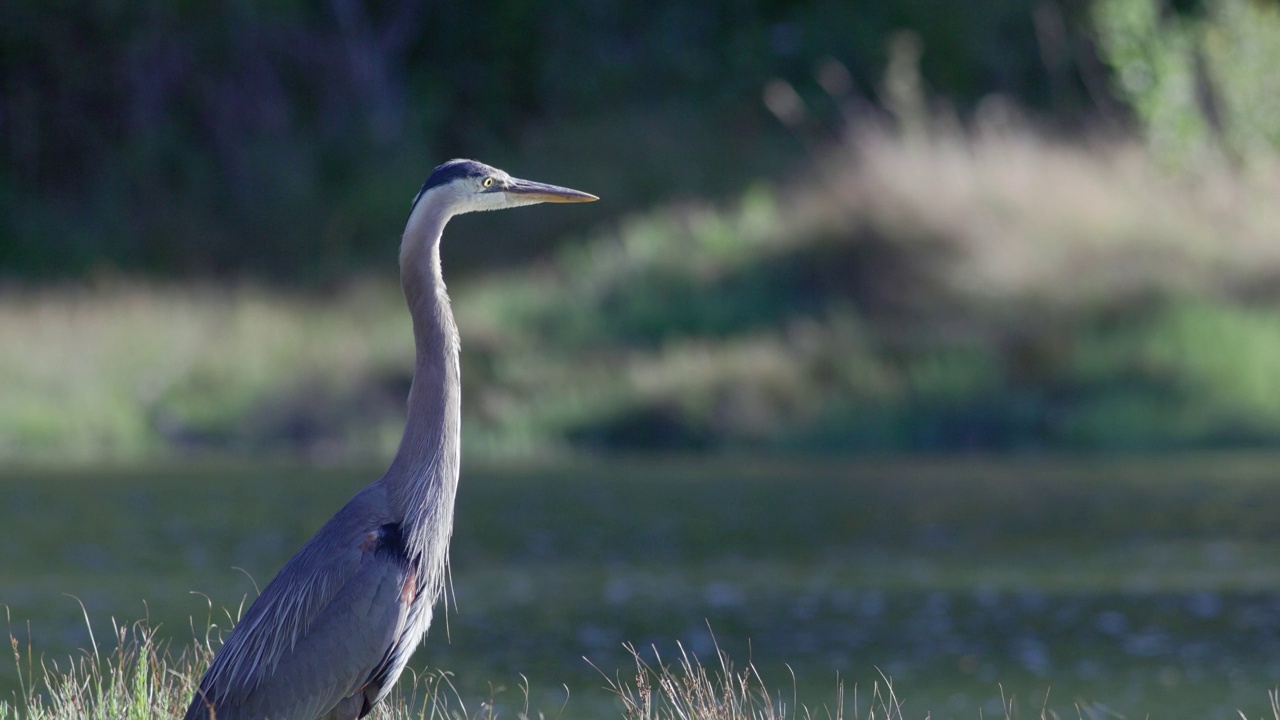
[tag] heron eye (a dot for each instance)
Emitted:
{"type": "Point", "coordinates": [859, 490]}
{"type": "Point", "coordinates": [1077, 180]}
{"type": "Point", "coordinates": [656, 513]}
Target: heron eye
{"type": "Point", "coordinates": [488, 182]}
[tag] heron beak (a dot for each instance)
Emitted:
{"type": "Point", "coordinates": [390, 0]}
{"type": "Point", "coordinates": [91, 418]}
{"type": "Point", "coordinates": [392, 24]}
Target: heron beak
{"type": "Point", "coordinates": [543, 192]}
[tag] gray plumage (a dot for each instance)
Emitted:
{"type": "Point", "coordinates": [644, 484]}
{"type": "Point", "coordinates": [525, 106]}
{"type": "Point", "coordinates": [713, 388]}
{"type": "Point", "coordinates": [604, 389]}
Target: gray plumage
{"type": "Point", "coordinates": [330, 635]}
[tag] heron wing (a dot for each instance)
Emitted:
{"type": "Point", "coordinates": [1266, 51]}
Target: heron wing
{"type": "Point", "coordinates": [321, 630]}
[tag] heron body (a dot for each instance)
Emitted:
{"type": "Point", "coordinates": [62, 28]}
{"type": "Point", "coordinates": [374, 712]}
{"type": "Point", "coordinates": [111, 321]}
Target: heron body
{"type": "Point", "coordinates": [329, 636]}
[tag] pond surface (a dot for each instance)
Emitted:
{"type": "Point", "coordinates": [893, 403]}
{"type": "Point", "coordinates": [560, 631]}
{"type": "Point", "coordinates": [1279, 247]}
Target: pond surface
{"type": "Point", "coordinates": [1118, 588]}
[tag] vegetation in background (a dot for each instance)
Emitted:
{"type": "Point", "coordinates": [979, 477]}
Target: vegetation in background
{"type": "Point", "coordinates": [994, 291]}
{"type": "Point", "coordinates": [921, 287]}
{"type": "Point", "coordinates": [987, 290]}
{"type": "Point", "coordinates": [130, 371]}
{"type": "Point", "coordinates": [1201, 85]}
{"type": "Point", "coordinates": [285, 141]}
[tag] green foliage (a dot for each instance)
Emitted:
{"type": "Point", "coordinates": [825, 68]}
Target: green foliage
{"type": "Point", "coordinates": [990, 291]}
{"type": "Point", "coordinates": [192, 140]}
{"type": "Point", "coordinates": [1155, 70]}
{"type": "Point", "coordinates": [922, 300]}
{"type": "Point", "coordinates": [1242, 49]}
{"type": "Point", "coordinates": [1198, 84]}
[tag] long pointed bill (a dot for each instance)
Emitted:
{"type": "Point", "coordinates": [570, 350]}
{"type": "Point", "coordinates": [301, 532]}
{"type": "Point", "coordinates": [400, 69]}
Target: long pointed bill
{"type": "Point", "coordinates": [543, 192]}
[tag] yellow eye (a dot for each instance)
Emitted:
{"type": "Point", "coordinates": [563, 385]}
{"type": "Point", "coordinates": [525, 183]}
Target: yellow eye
{"type": "Point", "coordinates": [488, 182]}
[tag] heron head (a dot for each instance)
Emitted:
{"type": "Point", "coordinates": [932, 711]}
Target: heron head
{"type": "Point", "coordinates": [469, 186]}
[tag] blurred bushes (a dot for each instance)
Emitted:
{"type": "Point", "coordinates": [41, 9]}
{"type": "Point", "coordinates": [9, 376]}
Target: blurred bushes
{"type": "Point", "coordinates": [923, 287]}
{"type": "Point", "coordinates": [1202, 83]}
{"type": "Point", "coordinates": [988, 291]}
{"type": "Point", "coordinates": [286, 139]}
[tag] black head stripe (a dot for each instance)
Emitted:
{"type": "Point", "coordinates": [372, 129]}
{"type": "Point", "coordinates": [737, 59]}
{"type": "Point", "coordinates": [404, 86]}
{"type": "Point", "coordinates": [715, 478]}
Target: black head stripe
{"type": "Point", "coordinates": [450, 171]}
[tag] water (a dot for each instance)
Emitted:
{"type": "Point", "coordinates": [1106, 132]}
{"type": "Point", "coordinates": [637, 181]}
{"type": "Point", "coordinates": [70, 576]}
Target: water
{"type": "Point", "coordinates": [1136, 588]}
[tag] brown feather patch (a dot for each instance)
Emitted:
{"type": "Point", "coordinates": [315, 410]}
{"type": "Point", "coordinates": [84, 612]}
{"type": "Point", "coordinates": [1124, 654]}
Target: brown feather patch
{"type": "Point", "coordinates": [409, 591]}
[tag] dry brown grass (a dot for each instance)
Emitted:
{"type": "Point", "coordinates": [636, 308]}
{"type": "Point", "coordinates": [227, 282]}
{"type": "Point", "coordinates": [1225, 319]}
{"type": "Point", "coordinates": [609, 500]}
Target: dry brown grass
{"type": "Point", "coordinates": [1032, 216]}
{"type": "Point", "coordinates": [975, 252]}
{"type": "Point", "coordinates": [122, 370]}
{"type": "Point", "coordinates": [689, 690]}
{"type": "Point", "coordinates": [958, 267]}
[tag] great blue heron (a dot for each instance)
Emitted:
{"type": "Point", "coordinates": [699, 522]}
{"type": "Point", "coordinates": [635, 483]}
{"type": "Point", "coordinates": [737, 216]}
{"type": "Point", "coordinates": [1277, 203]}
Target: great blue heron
{"type": "Point", "coordinates": [330, 634]}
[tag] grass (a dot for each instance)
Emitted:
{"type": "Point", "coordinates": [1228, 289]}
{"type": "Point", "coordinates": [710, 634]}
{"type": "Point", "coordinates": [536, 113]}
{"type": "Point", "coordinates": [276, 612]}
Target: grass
{"type": "Point", "coordinates": [989, 289]}
{"type": "Point", "coordinates": [144, 679]}
{"type": "Point", "coordinates": [139, 679]}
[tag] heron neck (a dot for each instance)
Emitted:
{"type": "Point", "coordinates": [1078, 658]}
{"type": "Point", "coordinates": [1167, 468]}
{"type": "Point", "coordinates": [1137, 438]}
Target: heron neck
{"type": "Point", "coordinates": [423, 476]}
